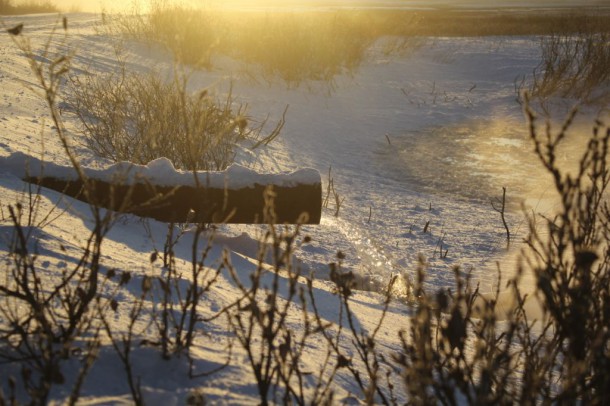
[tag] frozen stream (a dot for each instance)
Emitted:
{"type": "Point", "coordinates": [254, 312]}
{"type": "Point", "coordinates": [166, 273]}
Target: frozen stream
{"type": "Point", "coordinates": [426, 138]}
{"type": "Point", "coordinates": [419, 142]}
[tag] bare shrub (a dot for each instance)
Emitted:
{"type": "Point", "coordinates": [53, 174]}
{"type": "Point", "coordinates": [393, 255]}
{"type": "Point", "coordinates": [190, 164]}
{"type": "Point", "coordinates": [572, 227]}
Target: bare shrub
{"type": "Point", "coordinates": [275, 296]}
{"type": "Point", "coordinates": [123, 343]}
{"type": "Point", "coordinates": [575, 62]}
{"type": "Point", "coordinates": [461, 346]}
{"type": "Point", "coordinates": [330, 188]}
{"type": "Point", "coordinates": [370, 366]}
{"type": "Point", "coordinates": [260, 318]}
{"type": "Point", "coordinates": [45, 316]}
{"type": "Point", "coordinates": [571, 263]}
{"type": "Point", "coordinates": [139, 118]}
{"type": "Point", "coordinates": [455, 349]}
{"type": "Point", "coordinates": [179, 295]}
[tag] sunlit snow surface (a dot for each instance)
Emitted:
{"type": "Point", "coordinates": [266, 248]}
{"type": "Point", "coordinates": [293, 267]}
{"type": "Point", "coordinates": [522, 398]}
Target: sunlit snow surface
{"type": "Point", "coordinates": [420, 141]}
{"type": "Point", "coordinates": [160, 172]}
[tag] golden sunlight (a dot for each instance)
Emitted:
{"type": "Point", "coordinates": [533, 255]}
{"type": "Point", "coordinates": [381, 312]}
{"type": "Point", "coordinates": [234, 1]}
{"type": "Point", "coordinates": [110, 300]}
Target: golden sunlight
{"type": "Point", "coordinates": [143, 6]}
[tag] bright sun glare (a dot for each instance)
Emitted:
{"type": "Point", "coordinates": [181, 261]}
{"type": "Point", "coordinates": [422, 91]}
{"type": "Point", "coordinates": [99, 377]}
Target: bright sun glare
{"type": "Point", "coordinates": [145, 5]}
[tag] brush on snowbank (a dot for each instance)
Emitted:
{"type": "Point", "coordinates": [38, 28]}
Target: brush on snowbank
{"type": "Point", "coordinates": [136, 118]}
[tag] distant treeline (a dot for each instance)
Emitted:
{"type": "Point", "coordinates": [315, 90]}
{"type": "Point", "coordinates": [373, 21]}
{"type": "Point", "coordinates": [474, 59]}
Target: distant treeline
{"type": "Point", "coordinates": [300, 45]}
{"type": "Point", "coordinates": [8, 7]}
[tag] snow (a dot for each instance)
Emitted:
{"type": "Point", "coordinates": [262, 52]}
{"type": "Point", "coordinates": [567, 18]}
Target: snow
{"type": "Point", "coordinates": [159, 172]}
{"type": "Point", "coordinates": [422, 140]}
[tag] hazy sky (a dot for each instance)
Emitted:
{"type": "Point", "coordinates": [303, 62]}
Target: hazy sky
{"type": "Point", "coordinates": [122, 5]}
{"type": "Point", "coordinates": [93, 5]}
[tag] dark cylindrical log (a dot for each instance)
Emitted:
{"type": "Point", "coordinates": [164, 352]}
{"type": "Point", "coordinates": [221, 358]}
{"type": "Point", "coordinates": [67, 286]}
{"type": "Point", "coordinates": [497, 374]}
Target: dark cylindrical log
{"type": "Point", "coordinates": [258, 203]}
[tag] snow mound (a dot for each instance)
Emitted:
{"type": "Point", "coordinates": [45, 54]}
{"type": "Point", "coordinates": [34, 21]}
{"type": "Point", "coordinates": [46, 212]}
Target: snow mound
{"type": "Point", "coordinates": [160, 171]}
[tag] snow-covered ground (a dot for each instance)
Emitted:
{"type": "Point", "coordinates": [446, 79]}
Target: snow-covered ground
{"type": "Point", "coordinates": [419, 141]}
